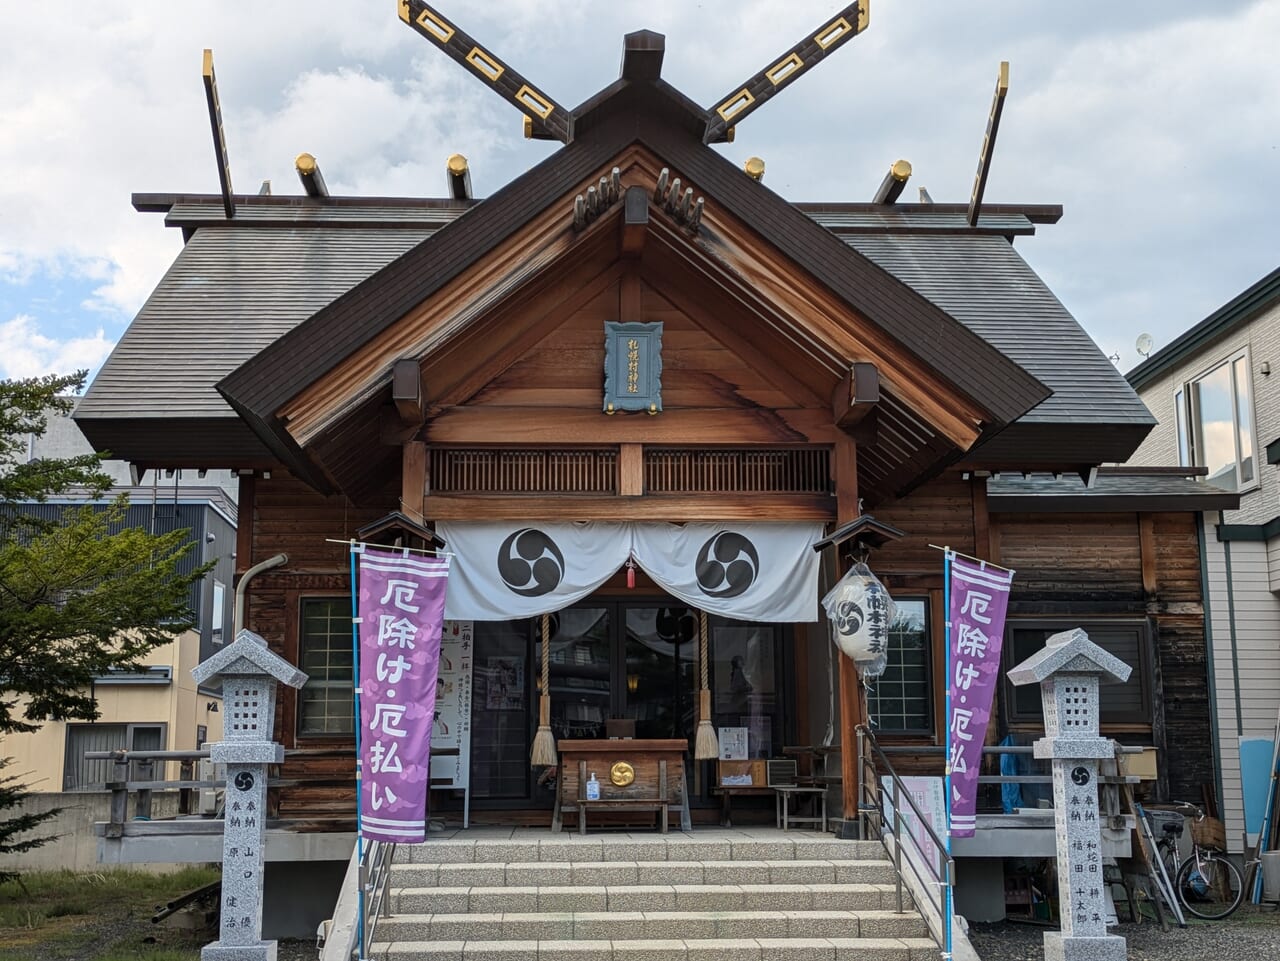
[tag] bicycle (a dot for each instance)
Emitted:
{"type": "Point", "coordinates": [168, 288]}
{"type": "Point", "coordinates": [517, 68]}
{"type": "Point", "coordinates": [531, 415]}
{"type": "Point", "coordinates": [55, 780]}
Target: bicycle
{"type": "Point", "coordinates": [1207, 882]}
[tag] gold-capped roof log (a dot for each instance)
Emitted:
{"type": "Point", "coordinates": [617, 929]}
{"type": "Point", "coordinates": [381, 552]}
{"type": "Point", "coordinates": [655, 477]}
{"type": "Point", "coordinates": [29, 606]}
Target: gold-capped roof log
{"type": "Point", "coordinates": [459, 177]}
{"type": "Point", "coordinates": [309, 173]}
{"type": "Point", "coordinates": [895, 181]}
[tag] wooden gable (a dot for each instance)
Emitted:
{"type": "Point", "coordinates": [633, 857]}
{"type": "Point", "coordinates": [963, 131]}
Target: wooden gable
{"type": "Point", "coordinates": [783, 273]}
{"type": "Point", "coordinates": [511, 354]}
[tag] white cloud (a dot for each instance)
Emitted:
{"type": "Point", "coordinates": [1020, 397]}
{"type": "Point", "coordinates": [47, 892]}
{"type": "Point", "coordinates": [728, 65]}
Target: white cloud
{"type": "Point", "coordinates": [1158, 134]}
{"type": "Point", "coordinates": [25, 352]}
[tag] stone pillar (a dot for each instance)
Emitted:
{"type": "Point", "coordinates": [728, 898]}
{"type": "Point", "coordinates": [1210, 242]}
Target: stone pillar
{"type": "Point", "coordinates": [249, 674]}
{"type": "Point", "coordinates": [1069, 671]}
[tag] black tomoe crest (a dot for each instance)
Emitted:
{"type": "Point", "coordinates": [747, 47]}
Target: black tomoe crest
{"type": "Point", "coordinates": [727, 565]}
{"type": "Point", "coordinates": [530, 563]}
{"type": "Point", "coordinates": [848, 618]}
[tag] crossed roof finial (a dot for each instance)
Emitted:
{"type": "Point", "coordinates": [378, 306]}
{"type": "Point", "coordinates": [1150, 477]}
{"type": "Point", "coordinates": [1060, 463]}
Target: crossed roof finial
{"type": "Point", "coordinates": [544, 115]}
{"type": "Point", "coordinates": [546, 119]}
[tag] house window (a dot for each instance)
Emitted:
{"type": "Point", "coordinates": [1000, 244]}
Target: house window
{"type": "Point", "coordinates": [1130, 641]}
{"type": "Point", "coordinates": [80, 774]}
{"type": "Point", "coordinates": [900, 701]}
{"type": "Point", "coordinates": [324, 654]}
{"type": "Point", "coordinates": [1214, 419]}
{"type": "Point", "coordinates": [219, 611]}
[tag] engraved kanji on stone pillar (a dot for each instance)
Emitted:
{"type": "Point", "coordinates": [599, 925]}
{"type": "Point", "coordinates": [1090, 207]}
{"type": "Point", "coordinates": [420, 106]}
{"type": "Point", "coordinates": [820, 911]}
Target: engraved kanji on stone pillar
{"type": "Point", "coordinates": [249, 674]}
{"type": "Point", "coordinates": [1069, 670]}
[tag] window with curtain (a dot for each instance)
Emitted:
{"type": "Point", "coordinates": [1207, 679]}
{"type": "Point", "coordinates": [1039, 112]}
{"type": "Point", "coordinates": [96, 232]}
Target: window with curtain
{"type": "Point", "coordinates": [900, 701]}
{"type": "Point", "coordinates": [324, 653]}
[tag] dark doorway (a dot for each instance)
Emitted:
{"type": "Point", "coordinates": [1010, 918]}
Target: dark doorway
{"type": "Point", "coordinates": [624, 660]}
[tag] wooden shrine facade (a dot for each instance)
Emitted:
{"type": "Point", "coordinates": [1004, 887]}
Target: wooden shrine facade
{"type": "Point", "coordinates": [444, 359]}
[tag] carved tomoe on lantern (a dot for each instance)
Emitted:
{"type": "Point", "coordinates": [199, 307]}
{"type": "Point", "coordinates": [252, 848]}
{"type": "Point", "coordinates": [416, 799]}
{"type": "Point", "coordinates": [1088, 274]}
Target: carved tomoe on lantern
{"type": "Point", "coordinates": [249, 674]}
{"type": "Point", "coordinates": [1069, 670]}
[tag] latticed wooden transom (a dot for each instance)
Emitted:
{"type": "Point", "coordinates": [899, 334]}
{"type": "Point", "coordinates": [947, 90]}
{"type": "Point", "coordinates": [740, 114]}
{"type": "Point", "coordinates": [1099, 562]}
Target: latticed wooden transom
{"type": "Point", "coordinates": [667, 470]}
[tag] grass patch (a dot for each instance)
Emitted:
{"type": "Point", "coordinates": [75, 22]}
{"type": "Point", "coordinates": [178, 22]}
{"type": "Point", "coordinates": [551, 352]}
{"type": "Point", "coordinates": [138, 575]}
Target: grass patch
{"type": "Point", "coordinates": [96, 916]}
{"type": "Point", "coordinates": [54, 894]}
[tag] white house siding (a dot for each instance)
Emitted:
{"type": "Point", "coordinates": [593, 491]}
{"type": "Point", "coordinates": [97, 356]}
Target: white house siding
{"type": "Point", "coordinates": [1160, 448]}
{"type": "Point", "coordinates": [1249, 667]}
{"type": "Point", "coordinates": [1248, 664]}
{"type": "Point", "coordinates": [1273, 563]}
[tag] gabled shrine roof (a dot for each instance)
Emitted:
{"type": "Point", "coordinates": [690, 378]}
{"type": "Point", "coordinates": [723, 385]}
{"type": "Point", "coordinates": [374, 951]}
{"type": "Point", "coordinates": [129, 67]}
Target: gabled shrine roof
{"type": "Point", "coordinates": [258, 308]}
{"type": "Point", "coordinates": [237, 286]}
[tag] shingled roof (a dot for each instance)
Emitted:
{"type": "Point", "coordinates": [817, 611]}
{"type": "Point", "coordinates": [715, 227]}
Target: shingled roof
{"type": "Point", "coordinates": [259, 307]}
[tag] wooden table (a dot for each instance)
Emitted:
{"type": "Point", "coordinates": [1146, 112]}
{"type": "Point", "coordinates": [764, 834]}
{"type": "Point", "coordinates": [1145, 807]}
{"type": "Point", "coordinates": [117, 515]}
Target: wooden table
{"type": "Point", "coordinates": [657, 778]}
{"type": "Point", "coordinates": [758, 787]}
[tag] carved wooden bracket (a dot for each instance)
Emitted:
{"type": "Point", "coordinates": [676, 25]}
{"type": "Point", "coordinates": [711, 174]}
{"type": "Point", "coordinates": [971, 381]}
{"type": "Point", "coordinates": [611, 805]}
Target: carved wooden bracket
{"type": "Point", "coordinates": [856, 395]}
{"type": "Point", "coordinates": [408, 392]}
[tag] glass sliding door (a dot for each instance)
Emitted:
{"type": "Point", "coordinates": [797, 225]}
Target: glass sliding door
{"type": "Point", "coordinates": [582, 676]}
{"type": "Point", "coordinates": [660, 652]}
{"type": "Point", "coordinates": [745, 683]}
{"type": "Point", "coordinates": [615, 658]}
{"type": "Point", "coordinates": [501, 696]}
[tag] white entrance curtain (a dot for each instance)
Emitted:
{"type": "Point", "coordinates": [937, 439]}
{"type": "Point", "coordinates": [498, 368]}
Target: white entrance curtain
{"type": "Point", "coordinates": [504, 570]}
{"type": "Point", "coordinates": [749, 571]}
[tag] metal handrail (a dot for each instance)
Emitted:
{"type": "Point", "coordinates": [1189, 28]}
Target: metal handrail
{"type": "Point", "coordinates": [942, 872]}
{"type": "Point", "coordinates": [375, 871]}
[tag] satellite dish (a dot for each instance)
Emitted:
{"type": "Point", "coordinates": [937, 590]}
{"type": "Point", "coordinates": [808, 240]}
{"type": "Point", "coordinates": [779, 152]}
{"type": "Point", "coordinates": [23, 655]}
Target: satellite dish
{"type": "Point", "coordinates": [1144, 344]}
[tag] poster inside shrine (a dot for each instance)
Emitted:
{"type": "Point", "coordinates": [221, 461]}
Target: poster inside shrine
{"type": "Point", "coordinates": [979, 599]}
{"type": "Point", "coordinates": [401, 614]}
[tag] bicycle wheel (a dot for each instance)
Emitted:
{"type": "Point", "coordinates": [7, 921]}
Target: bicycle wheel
{"type": "Point", "coordinates": [1209, 885]}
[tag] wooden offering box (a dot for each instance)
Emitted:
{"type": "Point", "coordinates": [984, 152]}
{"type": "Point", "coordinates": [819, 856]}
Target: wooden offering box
{"type": "Point", "coordinates": [634, 775]}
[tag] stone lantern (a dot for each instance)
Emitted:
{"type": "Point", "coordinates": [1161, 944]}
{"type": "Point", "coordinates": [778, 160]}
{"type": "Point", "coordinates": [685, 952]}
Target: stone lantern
{"type": "Point", "coordinates": [1069, 670]}
{"type": "Point", "coordinates": [250, 674]}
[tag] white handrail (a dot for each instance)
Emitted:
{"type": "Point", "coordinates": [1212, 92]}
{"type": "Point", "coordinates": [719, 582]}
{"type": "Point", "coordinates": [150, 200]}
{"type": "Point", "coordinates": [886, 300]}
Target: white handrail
{"type": "Point", "coordinates": [344, 928]}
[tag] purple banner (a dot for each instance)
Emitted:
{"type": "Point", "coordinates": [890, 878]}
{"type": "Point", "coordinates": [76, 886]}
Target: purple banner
{"type": "Point", "coordinates": [401, 611]}
{"type": "Point", "coordinates": [979, 599]}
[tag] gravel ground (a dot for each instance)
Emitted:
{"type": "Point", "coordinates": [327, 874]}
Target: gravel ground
{"type": "Point", "coordinates": [296, 951]}
{"type": "Point", "coordinates": [1251, 934]}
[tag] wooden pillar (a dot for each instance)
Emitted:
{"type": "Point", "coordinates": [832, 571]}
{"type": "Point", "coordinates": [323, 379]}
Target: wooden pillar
{"type": "Point", "coordinates": [631, 470]}
{"type": "Point", "coordinates": [413, 480]}
{"type": "Point", "coordinates": [244, 526]}
{"type": "Point", "coordinates": [852, 711]}
{"type": "Point", "coordinates": [1147, 546]}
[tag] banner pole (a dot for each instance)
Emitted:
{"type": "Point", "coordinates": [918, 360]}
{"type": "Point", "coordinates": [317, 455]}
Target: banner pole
{"type": "Point", "coordinates": [429, 551]}
{"type": "Point", "coordinates": [977, 560]}
{"type": "Point", "coordinates": [948, 913]}
{"type": "Point", "coordinates": [355, 689]}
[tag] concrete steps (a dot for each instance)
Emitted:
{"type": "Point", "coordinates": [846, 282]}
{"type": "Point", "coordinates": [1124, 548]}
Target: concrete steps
{"type": "Point", "coordinates": [712, 895]}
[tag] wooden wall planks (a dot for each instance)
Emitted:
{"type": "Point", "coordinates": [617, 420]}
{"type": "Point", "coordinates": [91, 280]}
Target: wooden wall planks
{"type": "Point", "coordinates": [1069, 566]}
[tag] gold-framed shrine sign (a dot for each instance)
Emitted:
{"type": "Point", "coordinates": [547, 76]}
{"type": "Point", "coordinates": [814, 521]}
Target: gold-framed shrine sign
{"type": "Point", "coordinates": [632, 366]}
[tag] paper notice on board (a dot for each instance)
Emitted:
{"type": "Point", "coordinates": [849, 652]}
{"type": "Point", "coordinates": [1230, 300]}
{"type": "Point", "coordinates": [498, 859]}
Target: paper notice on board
{"type": "Point", "coordinates": [733, 743]}
{"type": "Point", "coordinates": [452, 728]}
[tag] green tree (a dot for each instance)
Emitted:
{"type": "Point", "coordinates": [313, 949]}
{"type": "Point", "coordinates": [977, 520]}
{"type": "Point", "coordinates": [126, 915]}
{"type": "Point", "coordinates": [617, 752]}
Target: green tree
{"type": "Point", "coordinates": [80, 595]}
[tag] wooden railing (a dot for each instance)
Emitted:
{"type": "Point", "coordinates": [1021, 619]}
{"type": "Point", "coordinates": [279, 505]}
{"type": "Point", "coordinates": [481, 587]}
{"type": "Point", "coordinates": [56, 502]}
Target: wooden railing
{"type": "Point", "coordinates": [143, 786]}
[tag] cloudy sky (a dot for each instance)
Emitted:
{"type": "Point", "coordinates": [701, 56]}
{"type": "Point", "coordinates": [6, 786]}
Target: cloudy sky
{"type": "Point", "coordinates": [1156, 123]}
